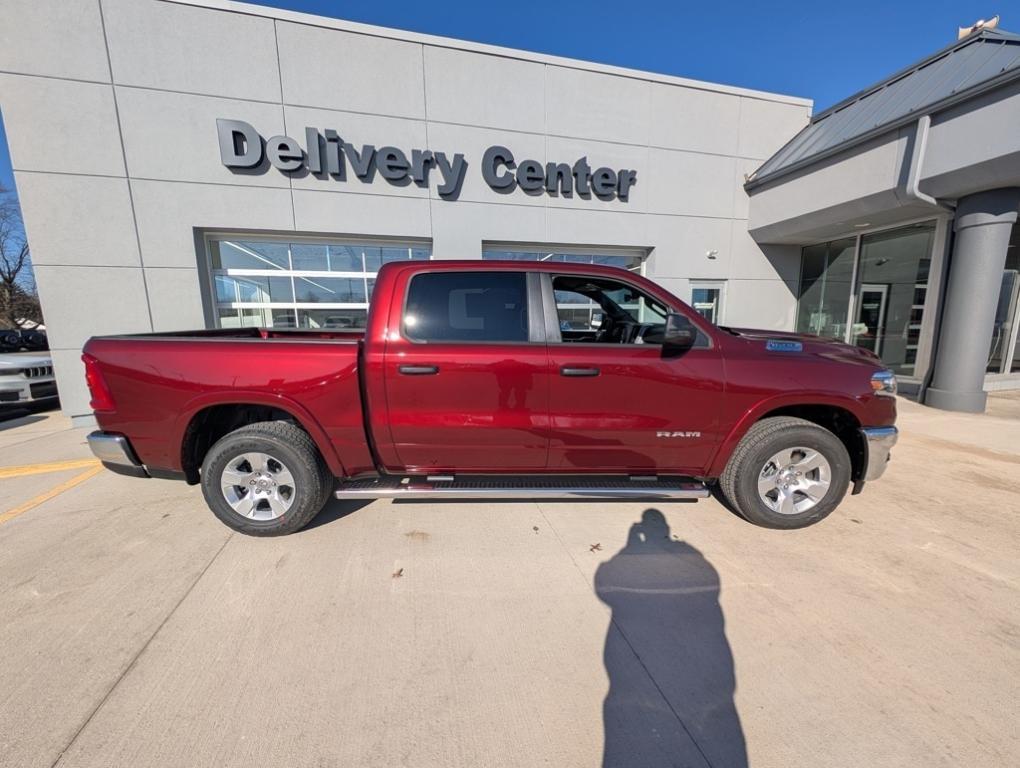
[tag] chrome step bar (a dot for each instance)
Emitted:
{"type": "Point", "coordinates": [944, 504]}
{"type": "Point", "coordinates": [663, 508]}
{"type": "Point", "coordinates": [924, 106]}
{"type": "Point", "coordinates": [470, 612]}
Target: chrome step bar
{"type": "Point", "coordinates": [518, 487]}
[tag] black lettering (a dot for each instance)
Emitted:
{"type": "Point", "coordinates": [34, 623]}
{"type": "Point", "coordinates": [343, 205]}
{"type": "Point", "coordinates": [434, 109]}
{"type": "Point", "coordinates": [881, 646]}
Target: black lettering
{"type": "Point", "coordinates": [558, 178]}
{"type": "Point", "coordinates": [493, 158]}
{"type": "Point", "coordinates": [284, 153]}
{"type": "Point", "coordinates": [392, 164]}
{"type": "Point", "coordinates": [240, 144]}
{"type": "Point", "coordinates": [530, 176]}
{"type": "Point", "coordinates": [603, 182]}
{"type": "Point", "coordinates": [453, 174]}
{"type": "Point", "coordinates": [362, 164]}
{"type": "Point", "coordinates": [314, 151]}
{"type": "Point", "coordinates": [627, 180]}
{"type": "Point", "coordinates": [334, 157]}
{"type": "Point", "coordinates": [581, 176]}
{"type": "Point", "coordinates": [421, 162]}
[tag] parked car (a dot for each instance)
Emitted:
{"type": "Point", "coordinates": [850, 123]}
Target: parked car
{"type": "Point", "coordinates": [465, 385]}
{"type": "Point", "coordinates": [26, 379]}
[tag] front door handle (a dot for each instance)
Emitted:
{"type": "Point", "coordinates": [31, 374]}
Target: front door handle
{"type": "Point", "coordinates": [568, 371]}
{"type": "Point", "coordinates": [418, 370]}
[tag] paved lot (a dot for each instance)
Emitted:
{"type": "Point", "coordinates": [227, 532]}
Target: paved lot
{"type": "Point", "coordinates": [135, 630]}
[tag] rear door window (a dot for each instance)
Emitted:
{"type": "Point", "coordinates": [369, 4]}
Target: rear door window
{"type": "Point", "coordinates": [467, 306]}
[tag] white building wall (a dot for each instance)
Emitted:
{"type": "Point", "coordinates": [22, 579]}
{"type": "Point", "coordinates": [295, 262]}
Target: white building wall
{"type": "Point", "coordinates": [117, 171]}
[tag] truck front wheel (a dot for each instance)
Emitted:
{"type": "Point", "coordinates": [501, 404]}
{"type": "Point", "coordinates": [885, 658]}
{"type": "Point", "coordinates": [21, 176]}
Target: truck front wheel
{"type": "Point", "coordinates": [265, 479]}
{"type": "Point", "coordinates": [786, 473]}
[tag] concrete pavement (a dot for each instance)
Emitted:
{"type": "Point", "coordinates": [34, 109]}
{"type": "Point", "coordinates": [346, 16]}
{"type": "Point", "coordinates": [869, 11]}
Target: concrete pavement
{"type": "Point", "coordinates": [137, 631]}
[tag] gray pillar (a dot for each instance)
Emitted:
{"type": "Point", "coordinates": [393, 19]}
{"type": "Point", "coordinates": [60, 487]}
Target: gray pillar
{"type": "Point", "coordinates": [983, 224]}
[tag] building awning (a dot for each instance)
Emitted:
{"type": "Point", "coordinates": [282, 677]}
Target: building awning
{"type": "Point", "coordinates": [985, 59]}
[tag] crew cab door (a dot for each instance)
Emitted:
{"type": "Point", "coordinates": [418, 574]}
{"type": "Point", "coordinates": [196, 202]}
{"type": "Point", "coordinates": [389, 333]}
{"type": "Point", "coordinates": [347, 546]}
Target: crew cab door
{"type": "Point", "coordinates": [617, 403]}
{"type": "Point", "coordinates": [466, 371]}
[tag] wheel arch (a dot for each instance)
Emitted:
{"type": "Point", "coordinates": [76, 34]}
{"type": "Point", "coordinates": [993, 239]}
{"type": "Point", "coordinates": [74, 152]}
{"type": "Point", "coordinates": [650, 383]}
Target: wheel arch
{"type": "Point", "coordinates": [209, 418]}
{"type": "Point", "coordinates": [837, 415]}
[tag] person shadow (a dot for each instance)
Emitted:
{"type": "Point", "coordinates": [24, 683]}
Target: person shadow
{"type": "Point", "coordinates": [671, 678]}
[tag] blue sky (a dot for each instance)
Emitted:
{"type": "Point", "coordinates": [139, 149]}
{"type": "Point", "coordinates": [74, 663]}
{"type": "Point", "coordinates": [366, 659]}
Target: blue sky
{"type": "Point", "coordinates": [823, 51]}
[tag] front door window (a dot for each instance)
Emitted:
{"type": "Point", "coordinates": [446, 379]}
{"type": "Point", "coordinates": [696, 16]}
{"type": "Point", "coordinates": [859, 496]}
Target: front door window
{"type": "Point", "coordinates": [599, 310]}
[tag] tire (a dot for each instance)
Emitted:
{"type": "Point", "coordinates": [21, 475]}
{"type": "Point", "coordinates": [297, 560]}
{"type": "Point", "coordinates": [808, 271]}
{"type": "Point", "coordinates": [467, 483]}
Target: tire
{"type": "Point", "coordinates": [273, 474]}
{"type": "Point", "coordinates": [790, 500]}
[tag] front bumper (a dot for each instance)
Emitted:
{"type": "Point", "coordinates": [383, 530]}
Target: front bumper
{"type": "Point", "coordinates": [17, 390]}
{"type": "Point", "coordinates": [878, 444]}
{"type": "Point", "coordinates": [116, 454]}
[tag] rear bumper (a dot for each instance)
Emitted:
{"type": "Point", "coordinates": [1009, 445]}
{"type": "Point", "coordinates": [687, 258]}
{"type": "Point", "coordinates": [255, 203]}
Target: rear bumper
{"type": "Point", "coordinates": [878, 444]}
{"type": "Point", "coordinates": [116, 454]}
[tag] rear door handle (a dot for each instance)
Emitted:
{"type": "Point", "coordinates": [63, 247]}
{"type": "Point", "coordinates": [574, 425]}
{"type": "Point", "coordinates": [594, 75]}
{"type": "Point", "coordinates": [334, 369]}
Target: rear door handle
{"type": "Point", "coordinates": [568, 371]}
{"type": "Point", "coordinates": [418, 370]}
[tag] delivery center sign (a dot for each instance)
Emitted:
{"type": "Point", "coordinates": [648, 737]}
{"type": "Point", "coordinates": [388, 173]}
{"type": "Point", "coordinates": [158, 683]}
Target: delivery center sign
{"type": "Point", "coordinates": [327, 155]}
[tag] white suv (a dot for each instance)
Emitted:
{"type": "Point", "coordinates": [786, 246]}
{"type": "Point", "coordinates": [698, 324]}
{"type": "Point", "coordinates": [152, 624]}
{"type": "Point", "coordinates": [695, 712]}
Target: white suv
{"type": "Point", "coordinates": [26, 378]}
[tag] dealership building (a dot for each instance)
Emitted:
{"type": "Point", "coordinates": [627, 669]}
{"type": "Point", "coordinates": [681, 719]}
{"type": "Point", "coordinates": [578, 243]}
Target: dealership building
{"type": "Point", "coordinates": [184, 164]}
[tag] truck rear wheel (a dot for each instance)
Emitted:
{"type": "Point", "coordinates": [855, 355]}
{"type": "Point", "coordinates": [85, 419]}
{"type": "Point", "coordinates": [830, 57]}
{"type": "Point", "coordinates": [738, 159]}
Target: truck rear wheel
{"type": "Point", "coordinates": [786, 473]}
{"type": "Point", "coordinates": [266, 479]}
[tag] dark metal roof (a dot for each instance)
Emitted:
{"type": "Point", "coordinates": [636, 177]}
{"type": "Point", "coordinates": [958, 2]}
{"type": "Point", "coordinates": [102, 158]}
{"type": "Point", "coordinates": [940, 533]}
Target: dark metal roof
{"type": "Point", "coordinates": [982, 60]}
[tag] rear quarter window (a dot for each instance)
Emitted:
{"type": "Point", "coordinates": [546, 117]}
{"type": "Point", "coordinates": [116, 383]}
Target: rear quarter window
{"type": "Point", "coordinates": [467, 306]}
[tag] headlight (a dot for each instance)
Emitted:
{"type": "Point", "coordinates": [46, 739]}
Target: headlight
{"type": "Point", "coordinates": [884, 383]}
{"type": "Point", "coordinates": [10, 371]}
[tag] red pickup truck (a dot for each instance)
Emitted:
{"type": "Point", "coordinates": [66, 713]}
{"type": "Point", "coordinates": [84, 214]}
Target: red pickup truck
{"type": "Point", "coordinates": [485, 379]}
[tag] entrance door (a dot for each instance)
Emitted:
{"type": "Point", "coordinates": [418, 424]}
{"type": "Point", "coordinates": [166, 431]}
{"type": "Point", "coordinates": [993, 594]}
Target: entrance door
{"type": "Point", "coordinates": [869, 320]}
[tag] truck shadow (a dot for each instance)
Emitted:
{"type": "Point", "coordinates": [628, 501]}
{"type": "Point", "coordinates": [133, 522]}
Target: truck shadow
{"type": "Point", "coordinates": [671, 678]}
{"type": "Point", "coordinates": [336, 509]}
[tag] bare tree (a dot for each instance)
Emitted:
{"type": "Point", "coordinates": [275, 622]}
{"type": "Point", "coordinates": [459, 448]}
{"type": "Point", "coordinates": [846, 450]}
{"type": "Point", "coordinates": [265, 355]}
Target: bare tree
{"type": "Point", "coordinates": [19, 303]}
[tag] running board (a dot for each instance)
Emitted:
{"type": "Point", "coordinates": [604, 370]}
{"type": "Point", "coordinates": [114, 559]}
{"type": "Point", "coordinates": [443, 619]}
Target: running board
{"type": "Point", "coordinates": [530, 487]}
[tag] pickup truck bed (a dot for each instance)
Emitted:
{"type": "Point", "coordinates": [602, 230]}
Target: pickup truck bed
{"type": "Point", "coordinates": [195, 371]}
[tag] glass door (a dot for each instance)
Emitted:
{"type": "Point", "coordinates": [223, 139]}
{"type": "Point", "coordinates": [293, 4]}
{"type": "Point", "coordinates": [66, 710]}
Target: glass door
{"type": "Point", "coordinates": [892, 279]}
{"type": "Point", "coordinates": [1004, 353]}
{"type": "Point", "coordinates": [868, 328]}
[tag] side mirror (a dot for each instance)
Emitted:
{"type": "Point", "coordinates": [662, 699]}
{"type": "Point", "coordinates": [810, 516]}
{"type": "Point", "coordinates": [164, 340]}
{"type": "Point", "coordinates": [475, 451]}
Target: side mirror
{"type": "Point", "coordinates": [680, 333]}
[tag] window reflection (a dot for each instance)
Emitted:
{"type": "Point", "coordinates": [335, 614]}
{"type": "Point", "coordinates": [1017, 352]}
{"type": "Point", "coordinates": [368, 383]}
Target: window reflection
{"type": "Point", "coordinates": [630, 260]}
{"type": "Point", "coordinates": [576, 312]}
{"type": "Point", "coordinates": [1004, 353]}
{"type": "Point", "coordinates": [891, 293]}
{"type": "Point", "coordinates": [883, 309]}
{"type": "Point", "coordinates": [825, 282]}
{"type": "Point", "coordinates": [278, 283]}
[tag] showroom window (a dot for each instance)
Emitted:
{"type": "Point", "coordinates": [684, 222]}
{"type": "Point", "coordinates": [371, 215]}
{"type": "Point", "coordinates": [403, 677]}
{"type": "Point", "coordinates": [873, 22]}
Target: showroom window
{"type": "Point", "coordinates": [870, 291]}
{"type": "Point", "coordinates": [575, 312]}
{"type": "Point", "coordinates": [1004, 354]}
{"type": "Point", "coordinates": [826, 278]}
{"type": "Point", "coordinates": [299, 283]}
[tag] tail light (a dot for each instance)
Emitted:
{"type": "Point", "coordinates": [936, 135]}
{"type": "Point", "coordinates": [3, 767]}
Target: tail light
{"type": "Point", "coordinates": [102, 400]}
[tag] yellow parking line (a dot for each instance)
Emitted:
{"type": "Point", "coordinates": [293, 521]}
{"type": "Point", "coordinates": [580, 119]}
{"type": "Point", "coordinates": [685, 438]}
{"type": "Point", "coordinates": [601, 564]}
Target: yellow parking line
{"type": "Point", "coordinates": [40, 469]}
{"type": "Point", "coordinates": [42, 497]}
